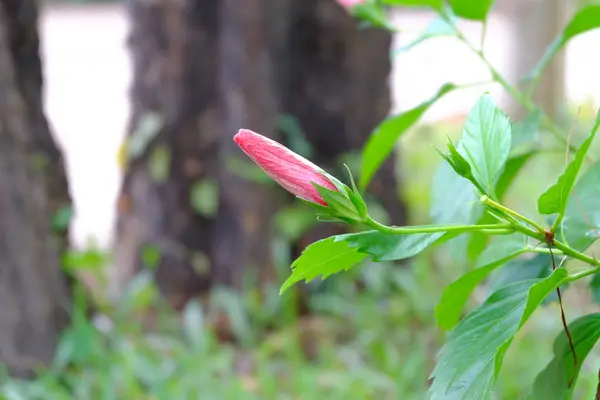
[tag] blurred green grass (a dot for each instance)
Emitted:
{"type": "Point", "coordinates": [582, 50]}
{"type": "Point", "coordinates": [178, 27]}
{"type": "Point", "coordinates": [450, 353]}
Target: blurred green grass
{"type": "Point", "coordinates": [370, 333]}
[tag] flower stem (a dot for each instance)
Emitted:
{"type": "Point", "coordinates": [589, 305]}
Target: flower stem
{"type": "Point", "coordinates": [569, 251]}
{"type": "Point", "coordinates": [544, 250]}
{"type": "Point", "coordinates": [582, 274]}
{"type": "Point", "coordinates": [493, 204]}
{"type": "Point", "coordinates": [407, 230]}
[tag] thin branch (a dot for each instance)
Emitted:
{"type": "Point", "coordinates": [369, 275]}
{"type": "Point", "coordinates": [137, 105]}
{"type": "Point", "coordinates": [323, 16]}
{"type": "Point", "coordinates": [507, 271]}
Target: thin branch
{"type": "Point", "coordinates": [563, 318]}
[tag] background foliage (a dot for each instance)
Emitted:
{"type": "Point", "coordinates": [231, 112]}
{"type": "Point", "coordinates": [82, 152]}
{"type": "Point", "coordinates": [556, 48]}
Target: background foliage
{"type": "Point", "coordinates": [371, 332]}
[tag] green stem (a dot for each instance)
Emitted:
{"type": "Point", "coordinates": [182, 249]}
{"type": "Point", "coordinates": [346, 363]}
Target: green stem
{"type": "Point", "coordinates": [544, 250]}
{"type": "Point", "coordinates": [491, 203]}
{"type": "Point", "coordinates": [569, 251]}
{"type": "Point", "coordinates": [404, 230]}
{"type": "Point", "coordinates": [519, 97]}
{"type": "Point", "coordinates": [582, 274]}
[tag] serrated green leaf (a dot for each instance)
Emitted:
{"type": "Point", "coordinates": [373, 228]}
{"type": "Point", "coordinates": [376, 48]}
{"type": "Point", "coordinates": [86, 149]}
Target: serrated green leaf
{"type": "Point", "coordinates": [325, 257]}
{"type": "Point", "coordinates": [471, 359]}
{"type": "Point", "coordinates": [554, 200]}
{"type": "Point", "coordinates": [581, 224]}
{"type": "Point", "coordinates": [384, 247]}
{"type": "Point", "coordinates": [437, 28]}
{"type": "Point", "coordinates": [486, 142]}
{"type": "Point", "coordinates": [553, 382]}
{"type": "Point", "coordinates": [586, 19]}
{"type": "Point", "coordinates": [455, 295]}
{"type": "Point", "coordinates": [471, 9]}
{"type": "Point", "coordinates": [383, 139]}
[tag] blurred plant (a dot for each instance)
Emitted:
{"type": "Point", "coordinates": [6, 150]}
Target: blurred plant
{"type": "Point", "coordinates": [467, 196]}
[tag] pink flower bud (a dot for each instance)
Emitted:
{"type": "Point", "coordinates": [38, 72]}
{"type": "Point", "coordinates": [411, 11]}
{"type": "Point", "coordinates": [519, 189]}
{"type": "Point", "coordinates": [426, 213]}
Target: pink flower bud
{"type": "Point", "coordinates": [350, 3]}
{"type": "Point", "coordinates": [293, 172]}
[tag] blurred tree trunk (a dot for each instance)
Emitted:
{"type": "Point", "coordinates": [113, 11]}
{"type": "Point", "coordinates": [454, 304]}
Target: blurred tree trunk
{"type": "Point", "coordinates": [535, 24]}
{"type": "Point", "coordinates": [208, 68]}
{"type": "Point", "coordinates": [33, 292]}
{"type": "Point", "coordinates": [174, 106]}
{"type": "Point", "coordinates": [252, 39]}
{"type": "Point", "coordinates": [339, 90]}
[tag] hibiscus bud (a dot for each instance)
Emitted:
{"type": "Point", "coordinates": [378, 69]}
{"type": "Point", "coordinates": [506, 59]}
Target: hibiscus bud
{"type": "Point", "coordinates": [350, 3]}
{"type": "Point", "coordinates": [293, 172]}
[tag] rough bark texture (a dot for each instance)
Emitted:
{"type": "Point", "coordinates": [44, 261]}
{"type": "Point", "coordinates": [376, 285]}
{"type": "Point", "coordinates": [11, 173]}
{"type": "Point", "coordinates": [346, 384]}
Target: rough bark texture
{"type": "Point", "coordinates": [211, 67]}
{"type": "Point", "coordinates": [33, 293]}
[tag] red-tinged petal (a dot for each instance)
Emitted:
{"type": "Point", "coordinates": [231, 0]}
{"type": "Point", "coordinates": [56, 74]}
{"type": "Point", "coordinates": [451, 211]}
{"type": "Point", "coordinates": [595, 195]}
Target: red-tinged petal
{"type": "Point", "coordinates": [293, 172]}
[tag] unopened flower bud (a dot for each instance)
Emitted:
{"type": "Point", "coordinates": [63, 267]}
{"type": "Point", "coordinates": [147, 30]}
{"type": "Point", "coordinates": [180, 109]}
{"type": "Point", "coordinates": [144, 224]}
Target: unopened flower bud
{"type": "Point", "coordinates": [293, 172]}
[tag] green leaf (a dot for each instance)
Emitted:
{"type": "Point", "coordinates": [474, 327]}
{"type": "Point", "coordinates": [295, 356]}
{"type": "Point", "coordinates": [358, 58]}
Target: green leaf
{"type": "Point", "coordinates": [553, 381]}
{"type": "Point", "coordinates": [341, 252]}
{"type": "Point", "coordinates": [293, 222]}
{"type": "Point", "coordinates": [384, 247]}
{"type": "Point", "coordinates": [456, 294]}
{"type": "Point", "coordinates": [471, 359]}
{"type": "Point", "coordinates": [295, 138]}
{"type": "Point", "coordinates": [435, 4]}
{"type": "Point", "coordinates": [457, 161]}
{"type": "Point", "coordinates": [595, 288]}
{"type": "Point", "coordinates": [382, 141]}
{"type": "Point", "coordinates": [62, 218]}
{"type": "Point", "coordinates": [438, 27]}
{"type": "Point", "coordinates": [522, 269]}
{"type": "Point", "coordinates": [373, 15]}
{"type": "Point", "coordinates": [204, 197]}
{"type": "Point", "coordinates": [471, 9]}
{"type": "Point", "coordinates": [193, 323]}
{"type": "Point", "coordinates": [339, 204]}
{"type": "Point", "coordinates": [486, 142]}
{"type": "Point", "coordinates": [586, 19]}
{"type": "Point", "coordinates": [91, 259]}
{"type": "Point", "coordinates": [512, 168]}
{"type": "Point", "coordinates": [150, 257]}
{"type": "Point", "coordinates": [325, 257]}
{"type": "Point", "coordinates": [581, 224]}
{"type": "Point", "coordinates": [527, 130]}
{"type": "Point", "coordinates": [554, 200]}
{"type": "Point", "coordinates": [159, 163]}
{"type": "Point", "coordinates": [453, 199]}
{"type": "Point", "coordinates": [147, 128]}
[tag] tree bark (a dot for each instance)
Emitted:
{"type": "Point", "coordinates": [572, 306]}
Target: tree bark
{"type": "Point", "coordinates": [174, 49]}
{"type": "Point", "coordinates": [339, 91]}
{"type": "Point", "coordinates": [33, 292]}
{"type": "Point", "coordinates": [209, 68]}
